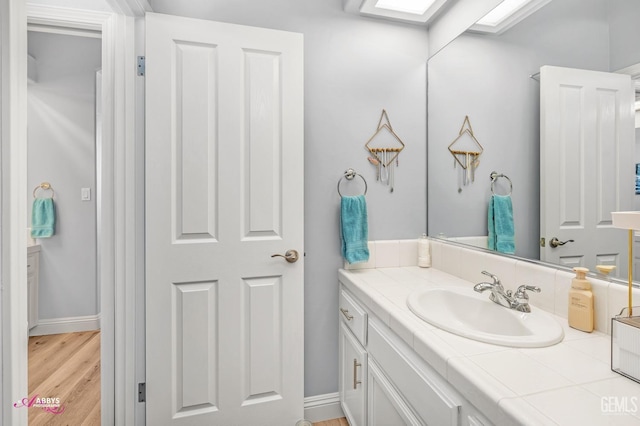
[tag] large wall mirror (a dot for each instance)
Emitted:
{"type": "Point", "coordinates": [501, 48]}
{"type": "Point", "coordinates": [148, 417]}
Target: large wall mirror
{"type": "Point", "coordinates": [494, 79]}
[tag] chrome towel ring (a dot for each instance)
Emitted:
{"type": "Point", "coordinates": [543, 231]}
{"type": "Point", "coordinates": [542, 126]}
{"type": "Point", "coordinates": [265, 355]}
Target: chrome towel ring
{"type": "Point", "coordinates": [45, 186]}
{"type": "Point", "coordinates": [349, 174]}
{"type": "Point", "coordinates": [494, 177]}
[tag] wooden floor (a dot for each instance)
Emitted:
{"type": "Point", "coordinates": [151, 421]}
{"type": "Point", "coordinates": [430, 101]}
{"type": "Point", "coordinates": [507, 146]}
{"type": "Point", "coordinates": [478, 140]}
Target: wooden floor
{"type": "Point", "coordinates": [333, 422]}
{"type": "Point", "coordinates": [66, 366]}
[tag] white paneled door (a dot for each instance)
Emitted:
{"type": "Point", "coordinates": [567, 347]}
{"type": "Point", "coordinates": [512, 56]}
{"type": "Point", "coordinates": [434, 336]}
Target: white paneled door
{"type": "Point", "coordinates": [587, 165]}
{"type": "Point", "coordinates": [224, 192]}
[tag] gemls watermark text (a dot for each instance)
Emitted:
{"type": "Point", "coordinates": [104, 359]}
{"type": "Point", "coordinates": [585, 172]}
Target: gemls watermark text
{"type": "Point", "coordinates": [619, 404]}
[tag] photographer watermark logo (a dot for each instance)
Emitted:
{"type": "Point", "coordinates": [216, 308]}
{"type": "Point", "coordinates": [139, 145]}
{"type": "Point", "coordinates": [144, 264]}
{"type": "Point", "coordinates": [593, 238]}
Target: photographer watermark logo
{"type": "Point", "coordinates": [619, 404]}
{"type": "Point", "coordinates": [50, 405]}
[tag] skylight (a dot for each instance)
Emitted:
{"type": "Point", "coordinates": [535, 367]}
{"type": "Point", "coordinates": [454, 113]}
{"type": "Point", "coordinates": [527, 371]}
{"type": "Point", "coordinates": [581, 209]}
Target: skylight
{"type": "Point", "coordinates": [416, 7]}
{"type": "Point", "coordinates": [413, 11]}
{"type": "Point", "coordinates": [502, 12]}
{"type": "Point", "coordinates": [507, 14]}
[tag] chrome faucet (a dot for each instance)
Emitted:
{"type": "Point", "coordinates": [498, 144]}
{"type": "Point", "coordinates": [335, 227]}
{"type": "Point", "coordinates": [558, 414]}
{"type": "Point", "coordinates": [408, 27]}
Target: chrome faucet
{"type": "Point", "coordinates": [522, 298]}
{"type": "Point", "coordinates": [518, 301]}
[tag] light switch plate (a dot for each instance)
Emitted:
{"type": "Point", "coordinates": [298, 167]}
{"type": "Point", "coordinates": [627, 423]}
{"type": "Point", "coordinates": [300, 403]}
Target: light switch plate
{"type": "Point", "coordinates": [85, 194]}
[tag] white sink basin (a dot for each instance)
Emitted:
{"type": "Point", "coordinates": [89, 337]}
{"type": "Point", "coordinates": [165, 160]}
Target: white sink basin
{"type": "Point", "coordinates": [466, 313]}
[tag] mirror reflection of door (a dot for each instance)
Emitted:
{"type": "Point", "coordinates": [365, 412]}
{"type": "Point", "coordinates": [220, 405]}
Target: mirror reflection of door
{"type": "Point", "coordinates": [587, 165]}
{"type": "Point", "coordinates": [64, 342]}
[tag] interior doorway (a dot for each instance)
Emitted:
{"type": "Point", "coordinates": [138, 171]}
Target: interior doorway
{"type": "Point", "coordinates": [63, 122]}
{"type": "Point", "coordinates": [120, 158]}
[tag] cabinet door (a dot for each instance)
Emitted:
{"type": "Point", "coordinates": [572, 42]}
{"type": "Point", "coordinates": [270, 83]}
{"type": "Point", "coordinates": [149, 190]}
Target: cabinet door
{"type": "Point", "coordinates": [386, 406]}
{"type": "Point", "coordinates": [353, 374]}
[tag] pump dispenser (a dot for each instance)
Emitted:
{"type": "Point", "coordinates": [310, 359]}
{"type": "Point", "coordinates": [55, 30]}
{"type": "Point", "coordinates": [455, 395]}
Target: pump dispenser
{"type": "Point", "coordinates": [424, 255]}
{"type": "Point", "coordinates": [581, 302]}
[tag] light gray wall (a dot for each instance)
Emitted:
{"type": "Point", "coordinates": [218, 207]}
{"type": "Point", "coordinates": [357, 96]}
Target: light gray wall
{"type": "Point", "coordinates": [354, 67]}
{"type": "Point", "coordinates": [624, 33]}
{"type": "Point", "coordinates": [487, 78]}
{"type": "Point", "coordinates": [61, 150]}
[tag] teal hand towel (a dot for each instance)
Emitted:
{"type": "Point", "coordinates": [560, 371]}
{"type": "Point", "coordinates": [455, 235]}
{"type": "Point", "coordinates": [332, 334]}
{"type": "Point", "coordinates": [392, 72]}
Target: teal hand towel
{"type": "Point", "coordinates": [43, 218]}
{"type": "Point", "coordinates": [500, 224]}
{"type": "Point", "coordinates": [354, 229]}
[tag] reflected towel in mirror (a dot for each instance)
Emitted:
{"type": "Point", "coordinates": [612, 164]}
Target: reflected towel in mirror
{"type": "Point", "coordinates": [500, 224]}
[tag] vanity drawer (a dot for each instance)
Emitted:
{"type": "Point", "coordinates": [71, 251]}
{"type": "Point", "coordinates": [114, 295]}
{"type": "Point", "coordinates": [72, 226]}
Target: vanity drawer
{"type": "Point", "coordinates": [430, 396]}
{"type": "Point", "coordinates": [353, 315]}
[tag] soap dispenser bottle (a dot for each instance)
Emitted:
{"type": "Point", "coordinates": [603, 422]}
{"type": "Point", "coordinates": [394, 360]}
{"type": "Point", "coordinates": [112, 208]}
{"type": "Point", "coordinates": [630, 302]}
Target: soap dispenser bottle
{"type": "Point", "coordinates": [424, 253]}
{"type": "Point", "coordinates": [581, 302]}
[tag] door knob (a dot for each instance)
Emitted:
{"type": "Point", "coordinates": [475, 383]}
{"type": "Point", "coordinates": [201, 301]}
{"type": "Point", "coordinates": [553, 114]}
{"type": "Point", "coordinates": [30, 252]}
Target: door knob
{"type": "Point", "coordinates": [290, 256]}
{"type": "Point", "coordinates": [556, 242]}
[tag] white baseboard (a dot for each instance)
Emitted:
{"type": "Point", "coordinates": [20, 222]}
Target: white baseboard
{"type": "Point", "coordinates": [322, 407]}
{"type": "Point", "coordinates": [65, 325]}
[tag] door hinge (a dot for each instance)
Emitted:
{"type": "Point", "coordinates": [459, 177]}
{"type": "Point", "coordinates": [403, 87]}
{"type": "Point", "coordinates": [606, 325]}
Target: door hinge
{"type": "Point", "coordinates": [141, 65]}
{"type": "Point", "coordinates": [142, 392]}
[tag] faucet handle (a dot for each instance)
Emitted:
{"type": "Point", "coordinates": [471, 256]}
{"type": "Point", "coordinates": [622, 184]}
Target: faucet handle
{"type": "Point", "coordinates": [521, 292]}
{"type": "Point", "coordinates": [495, 279]}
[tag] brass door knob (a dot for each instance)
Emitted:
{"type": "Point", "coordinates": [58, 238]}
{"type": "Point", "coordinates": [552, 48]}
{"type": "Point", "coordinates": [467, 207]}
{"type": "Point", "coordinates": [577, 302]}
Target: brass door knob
{"type": "Point", "coordinates": [290, 256]}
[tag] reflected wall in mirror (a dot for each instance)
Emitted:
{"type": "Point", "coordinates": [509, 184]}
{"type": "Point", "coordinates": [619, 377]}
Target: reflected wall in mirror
{"type": "Point", "coordinates": [487, 77]}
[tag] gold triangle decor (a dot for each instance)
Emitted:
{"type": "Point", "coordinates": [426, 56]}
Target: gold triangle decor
{"type": "Point", "coordinates": [466, 151]}
{"type": "Point", "coordinates": [385, 146]}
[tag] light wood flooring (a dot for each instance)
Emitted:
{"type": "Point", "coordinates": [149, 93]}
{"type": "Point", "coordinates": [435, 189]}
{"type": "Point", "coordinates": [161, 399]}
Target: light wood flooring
{"type": "Point", "coordinates": [66, 366]}
{"type": "Point", "coordinates": [333, 422]}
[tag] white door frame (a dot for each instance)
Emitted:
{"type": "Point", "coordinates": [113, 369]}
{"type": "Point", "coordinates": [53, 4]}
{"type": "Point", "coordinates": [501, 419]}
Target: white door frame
{"type": "Point", "coordinates": [118, 204]}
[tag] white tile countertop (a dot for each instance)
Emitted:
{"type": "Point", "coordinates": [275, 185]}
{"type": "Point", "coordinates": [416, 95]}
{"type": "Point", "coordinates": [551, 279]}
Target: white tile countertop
{"type": "Point", "coordinates": [569, 383]}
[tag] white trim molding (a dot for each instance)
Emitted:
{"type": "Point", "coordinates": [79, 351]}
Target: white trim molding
{"type": "Point", "coordinates": [13, 211]}
{"type": "Point", "coordinates": [634, 72]}
{"type": "Point", "coordinates": [117, 262]}
{"type": "Point", "coordinates": [135, 8]}
{"type": "Point", "coordinates": [319, 408]}
{"type": "Point", "coordinates": [66, 325]}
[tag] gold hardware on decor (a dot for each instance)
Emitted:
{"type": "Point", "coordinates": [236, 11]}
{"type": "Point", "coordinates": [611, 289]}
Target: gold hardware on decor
{"type": "Point", "coordinates": [466, 151]}
{"type": "Point", "coordinates": [383, 157]}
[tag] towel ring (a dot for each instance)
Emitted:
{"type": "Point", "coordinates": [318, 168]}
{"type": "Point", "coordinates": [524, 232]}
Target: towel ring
{"type": "Point", "coordinates": [349, 174]}
{"type": "Point", "coordinates": [494, 177]}
{"type": "Point", "coordinates": [45, 186]}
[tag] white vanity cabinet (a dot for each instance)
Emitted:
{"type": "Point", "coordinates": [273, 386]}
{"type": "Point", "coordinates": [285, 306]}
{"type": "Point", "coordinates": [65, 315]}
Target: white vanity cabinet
{"type": "Point", "coordinates": [33, 282]}
{"type": "Point", "coordinates": [386, 405]}
{"type": "Point", "coordinates": [353, 360]}
{"type": "Point", "coordinates": [400, 387]}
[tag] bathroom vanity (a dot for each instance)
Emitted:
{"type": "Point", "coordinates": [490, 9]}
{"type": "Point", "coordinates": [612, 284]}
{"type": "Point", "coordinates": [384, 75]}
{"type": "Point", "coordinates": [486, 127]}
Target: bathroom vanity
{"type": "Point", "coordinates": [396, 368]}
{"type": "Point", "coordinates": [383, 381]}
